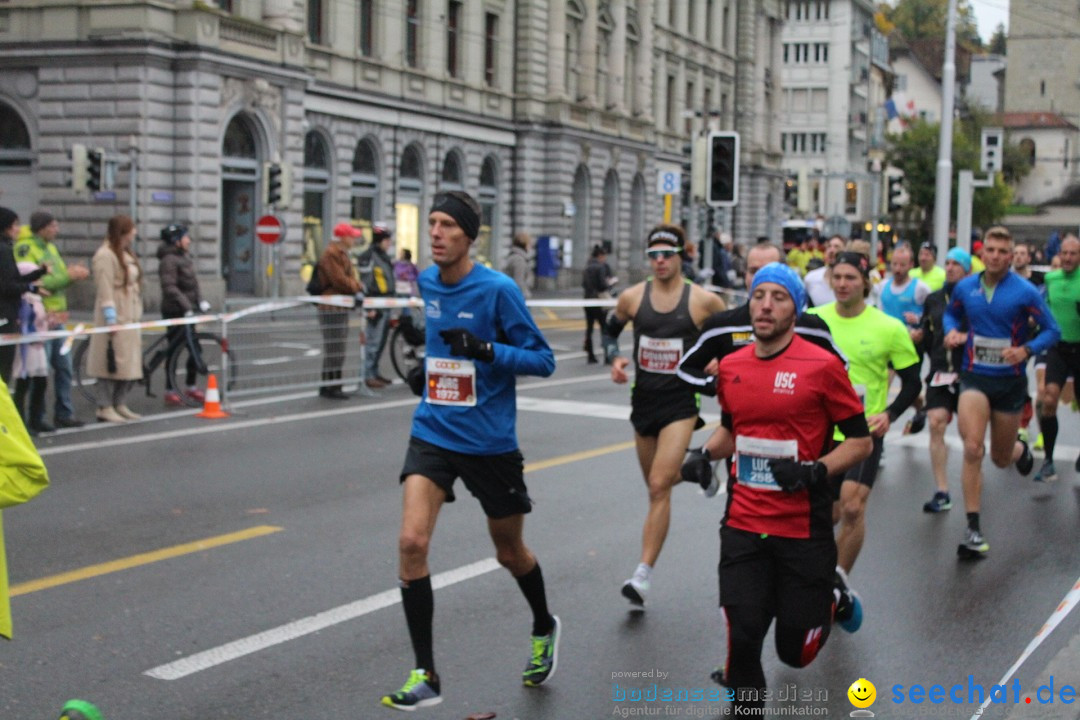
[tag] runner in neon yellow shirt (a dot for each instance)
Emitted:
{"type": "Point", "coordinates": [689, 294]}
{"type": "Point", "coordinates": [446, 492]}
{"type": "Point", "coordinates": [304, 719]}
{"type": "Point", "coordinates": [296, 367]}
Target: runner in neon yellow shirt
{"type": "Point", "coordinates": [928, 271]}
{"type": "Point", "coordinates": [872, 341]}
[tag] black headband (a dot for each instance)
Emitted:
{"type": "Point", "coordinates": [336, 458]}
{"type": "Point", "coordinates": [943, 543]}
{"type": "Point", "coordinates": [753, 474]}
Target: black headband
{"type": "Point", "coordinates": [666, 237]}
{"type": "Point", "coordinates": [455, 207]}
{"type": "Point", "coordinates": [855, 259]}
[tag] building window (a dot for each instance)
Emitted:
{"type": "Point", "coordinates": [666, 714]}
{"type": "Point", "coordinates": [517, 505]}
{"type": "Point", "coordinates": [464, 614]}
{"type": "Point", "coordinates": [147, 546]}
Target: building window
{"type": "Point", "coordinates": [630, 83]}
{"type": "Point", "coordinates": [821, 52]}
{"type": "Point", "coordinates": [491, 47]}
{"type": "Point", "coordinates": [453, 32]}
{"type": "Point", "coordinates": [315, 21]}
{"type": "Point", "coordinates": [575, 20]}
{"type": "Point", "coordinates": [901, 82]}
{"type": "Point", "coordinates": [451, 172]}
{"type": "Point", "coordinates": [605, 92]}
{"type": "Point", "coordinates": [669, 115]}
{"type": "Point", "coordinates": [225, 5]}
{"type": "Point", "coordinates": [851, 198]}
{"type": "Point", "coordinates": [690, 16]}
{"type": "Point", "coordinates": [15, 139]}
{"type": "Point", "coordinates": [366, 30]}
{"type": "Point", "coordinates": [724, 26]}
{"type": "Point", "coordinates": [710, 10]}
{"type": "Point", "coordinates": [488, 199]}
{"type": "Point", "coordinates": [1027, 145]}
{"type": "Point", "coordinates": [689, 128]}
{"type": "Point", "coordinates": [671, 13]}
{"type": "Point", "coordinates": [365, 184]}
{"type": "Point", "coordinates": [822, 9]}
{"type": "Point", "coordinates": [412, 33]}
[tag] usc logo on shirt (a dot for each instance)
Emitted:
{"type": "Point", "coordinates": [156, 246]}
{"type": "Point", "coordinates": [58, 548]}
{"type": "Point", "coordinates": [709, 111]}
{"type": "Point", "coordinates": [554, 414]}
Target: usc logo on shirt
{"type": "Point", "coordinates": [784, 384]}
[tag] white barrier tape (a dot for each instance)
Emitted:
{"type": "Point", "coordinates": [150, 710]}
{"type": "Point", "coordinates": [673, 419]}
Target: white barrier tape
{"type": "Point", "coordinates": [1064, 608]}
{"type": "Point", "coordinates": [342, 301]}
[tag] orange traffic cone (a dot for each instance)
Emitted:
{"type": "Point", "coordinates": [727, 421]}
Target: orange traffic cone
{"type": "Point", "coordinates": [212, 406]}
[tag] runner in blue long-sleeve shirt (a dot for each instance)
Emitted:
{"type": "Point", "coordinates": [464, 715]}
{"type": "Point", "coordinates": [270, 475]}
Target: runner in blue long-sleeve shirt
{"type": "Point", "coordinates": [991, 315]}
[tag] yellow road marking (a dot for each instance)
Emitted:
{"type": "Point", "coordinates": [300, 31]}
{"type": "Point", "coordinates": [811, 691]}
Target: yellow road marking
{"type": "Point", "coordinates": [574, 457]}
{"type": "Point", "coordinates": [140, 559]}
{"type": "Point", "coordinates": [550, 314]}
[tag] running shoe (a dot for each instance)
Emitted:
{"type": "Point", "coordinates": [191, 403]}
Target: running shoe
{"type": "Point", "coordinates": [419, 691]}
{"type": "Point", "coordinates": [195, 394]}
{"type": "Point", "coordinates": [1026, 461]}
{"type": "Point", "coordinates": [849, 612]}
{"type": "Point", "coordinates": [939, 503]}
{"type": "Point", "coordinates": [635, 590]}
{"type": "Point", "coordinates": [1047, 473]}
{"type": "Point", "coordinates": [974, 545]}
{"type": "Point", "coordinates": [1038, 442]}
{"type": "Point", "coordinates": [172, 398]}
{"type": "Point", "coordinates": [544, 658]}
{"type": "Point", "coordinates": [916, 424]}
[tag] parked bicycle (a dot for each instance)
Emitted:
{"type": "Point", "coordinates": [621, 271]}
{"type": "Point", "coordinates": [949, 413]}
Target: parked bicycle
{"type": "Point", "coordinates": [207, 352]}
{"type": "Point", "coordinates": [407, 343]}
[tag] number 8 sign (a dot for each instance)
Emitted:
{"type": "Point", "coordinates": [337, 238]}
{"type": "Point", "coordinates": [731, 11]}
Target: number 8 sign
{"type": "Point", "coordinates": [668, 182]}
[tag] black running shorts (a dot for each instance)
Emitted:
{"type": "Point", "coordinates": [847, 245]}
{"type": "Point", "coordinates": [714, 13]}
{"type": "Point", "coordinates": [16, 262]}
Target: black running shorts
{"type": "Point", "coordinates": [497, 481]}
{"type": "Point", "coordinates": [1062, 363]}
{"type": "Point", "coordinates": [652, 412]}
{"type": "Point", "coordinates": [1006, 394]}
{"type": "Point", "coordinates": [942, 396]}
{"type": "Point", "coordinates": [865, 473]}
{"type": "Point", "coordinates": [792, 577]}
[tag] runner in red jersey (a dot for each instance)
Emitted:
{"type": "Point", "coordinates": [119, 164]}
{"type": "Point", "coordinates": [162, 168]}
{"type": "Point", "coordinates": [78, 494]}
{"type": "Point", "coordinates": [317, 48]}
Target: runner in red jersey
{"type": "Point", "coordinates": [781, 398]}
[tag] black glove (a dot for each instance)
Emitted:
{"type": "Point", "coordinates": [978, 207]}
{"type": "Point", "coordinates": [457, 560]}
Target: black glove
{"type": "Point", "coordinates": [792, 475]}
{"type": "Point", "coordinates": [697, 468]}
{"type": "Point", "coordinates": [464, 343]}
{"type": "Point", "coordinates": [415, 380]}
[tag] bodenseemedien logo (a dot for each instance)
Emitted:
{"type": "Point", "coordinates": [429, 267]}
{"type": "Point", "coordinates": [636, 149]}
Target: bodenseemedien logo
{"type": "Point", "coordinates": [862, 695]}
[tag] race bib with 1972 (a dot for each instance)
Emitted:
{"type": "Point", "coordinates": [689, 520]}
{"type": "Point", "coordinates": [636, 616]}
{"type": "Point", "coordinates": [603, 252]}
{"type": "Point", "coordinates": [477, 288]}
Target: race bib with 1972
{"type": "Point", "coordinates": [450, 381]}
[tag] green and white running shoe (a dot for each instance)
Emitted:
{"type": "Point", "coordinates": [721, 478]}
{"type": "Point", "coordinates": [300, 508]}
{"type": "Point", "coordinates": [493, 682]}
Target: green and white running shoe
{"type": "Point", "coordinates": [544, 658]}
{"type": "Point", "coordinates": [419, 691]}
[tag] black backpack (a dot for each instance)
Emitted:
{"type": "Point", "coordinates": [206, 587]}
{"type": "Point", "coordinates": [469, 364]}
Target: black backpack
{"type": "Point", "coordinates": [315, 285]}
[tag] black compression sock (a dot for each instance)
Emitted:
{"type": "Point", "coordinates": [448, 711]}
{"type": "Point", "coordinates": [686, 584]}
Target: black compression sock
{"type": "Point", "coordinates": [973, 521]}
{"type": "Point", "coordinates": [532, 587]}
{"type": "Point", "coordinates": [1049, 427]}
{"type": "Point", "coordinates": [419, 602]}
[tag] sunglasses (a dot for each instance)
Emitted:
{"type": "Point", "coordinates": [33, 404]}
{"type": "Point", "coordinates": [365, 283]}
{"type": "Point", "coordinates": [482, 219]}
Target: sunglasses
{"type": "Point", "coordinates": [661, 254]}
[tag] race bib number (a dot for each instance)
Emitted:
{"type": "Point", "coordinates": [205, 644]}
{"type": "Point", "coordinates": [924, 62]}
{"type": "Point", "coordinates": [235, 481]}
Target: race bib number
{"type": "Point", "coordinates": [941, 379]}
{"type": "Point", "coordinates": [988, 350]}
{"type": "Point", "coordinates": [752, 457]}
{"type": "Point", "coordinates": [450, 381]}
{"type": "Point", "coordinates": [659, 355]}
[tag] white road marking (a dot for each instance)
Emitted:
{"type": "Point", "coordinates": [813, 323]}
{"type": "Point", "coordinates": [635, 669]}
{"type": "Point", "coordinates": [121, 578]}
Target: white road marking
{"type": "Point", "coordinates": [305, 626]}
{"type": "Point", "coordinates": [585, 409]}
{"type": "Point", "coordinates": [225, 426]}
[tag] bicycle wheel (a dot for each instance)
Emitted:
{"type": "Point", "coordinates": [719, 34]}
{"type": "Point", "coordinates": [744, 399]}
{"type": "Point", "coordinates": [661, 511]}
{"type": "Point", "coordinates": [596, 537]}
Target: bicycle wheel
{"type": "Point", "coordinates": [213, 355]}
{"type": "Point", "coordinates": [404, 356]}
{"type": "Point", "coordinates": [79, 379]}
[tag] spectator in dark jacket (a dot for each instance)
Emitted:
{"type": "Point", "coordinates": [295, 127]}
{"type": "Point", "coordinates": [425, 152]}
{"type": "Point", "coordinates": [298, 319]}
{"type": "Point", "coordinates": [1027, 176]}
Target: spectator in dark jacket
{"type": "Point", "coordinates": [12, 286]}
{"type": "Point", "coordinates": [377, 273]}
{"type": "Point", "coordinates": [179, 298]}
{"type": "Point", "coordinates": [596, 281]}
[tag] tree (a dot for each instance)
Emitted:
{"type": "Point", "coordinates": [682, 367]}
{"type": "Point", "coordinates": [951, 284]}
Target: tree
{"type": "Point", "coordinates": [998, 40]}
{"type": "Point", "coordinates": [915, 152]}
{"type": "Point", "coordinates": [925, 19]}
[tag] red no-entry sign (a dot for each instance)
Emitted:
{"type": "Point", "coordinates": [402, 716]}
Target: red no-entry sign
{"type": "Point", "coordinates": [269, 229]}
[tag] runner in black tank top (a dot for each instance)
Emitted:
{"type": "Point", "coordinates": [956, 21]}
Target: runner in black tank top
{"type": "Point", "coordinates": [668, 313]}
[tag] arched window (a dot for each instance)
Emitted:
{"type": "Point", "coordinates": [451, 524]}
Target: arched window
{"type": "Point", "coordinates": [239, 139]}
{"type": "Point", "coordinates": [365, 182]}
{"type": "Point", "coordinates": [488, 198]}
{"type": "Point", "coordinates": [452, 174]}
{"type": "Point", "coordinates": [575, 22]}
{"type": "Point", "coordinates": [14, 139]}
{"type": "Point", "coordinates": [637, 222]}
{"type": "Point", "coordinates": [410, 188]}
{"type": "Point", "coordinates": [611, 211]}
{"type": "Point", "coordinates": [317, 215]}
{"type": "Point", "coordinates": [1028, 146]}
{"type": "Point", "coordinates": [582, 211]}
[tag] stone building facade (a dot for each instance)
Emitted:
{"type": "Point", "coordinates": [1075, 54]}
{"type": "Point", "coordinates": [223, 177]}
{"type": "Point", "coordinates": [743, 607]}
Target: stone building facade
{"type": "Point", "coordinates": [556, 114]}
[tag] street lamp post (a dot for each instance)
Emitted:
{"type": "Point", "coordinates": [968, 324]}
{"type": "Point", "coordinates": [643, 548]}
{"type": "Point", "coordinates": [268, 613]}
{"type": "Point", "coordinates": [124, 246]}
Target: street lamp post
{"type": "Point", "coordinates": [943, 194]}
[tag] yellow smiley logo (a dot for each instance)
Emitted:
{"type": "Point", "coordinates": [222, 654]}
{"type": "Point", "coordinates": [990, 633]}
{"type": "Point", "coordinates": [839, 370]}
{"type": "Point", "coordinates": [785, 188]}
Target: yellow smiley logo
{"type": "Point", "coordinates": [862, 693]}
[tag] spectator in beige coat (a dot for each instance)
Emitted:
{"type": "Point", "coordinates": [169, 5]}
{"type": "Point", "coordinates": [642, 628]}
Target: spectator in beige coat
{"type": "Point", "coordinates": [115, 358]}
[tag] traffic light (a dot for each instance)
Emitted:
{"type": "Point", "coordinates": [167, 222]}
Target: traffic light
{"type": "Point", "coordinates": [95, 168]}
{"type": "Point", "coordinates": [791, 191]}
{"type": "Point", "coordinates": [722, 188]}
{"type": "Point", "coordinates": [894, 192]}
{"type": "Point", "coordinates": [271, 184]}
{"type": "Point", "coordinates": [78, 167]}
{"type": "Point", "coordinates": [991, 149]}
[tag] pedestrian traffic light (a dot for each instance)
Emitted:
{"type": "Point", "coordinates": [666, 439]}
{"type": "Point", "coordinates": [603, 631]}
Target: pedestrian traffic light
{"type": "Point", "coordinates": [895, 191]}
{"type": "Point", "coordinates": [991, 150]}
{"type": "Point", "coordinates": [78, 167]}
{"type": "Point", "coordinates": [95, 168]}
{"type": "Point", "coordinates": [723, 163]}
